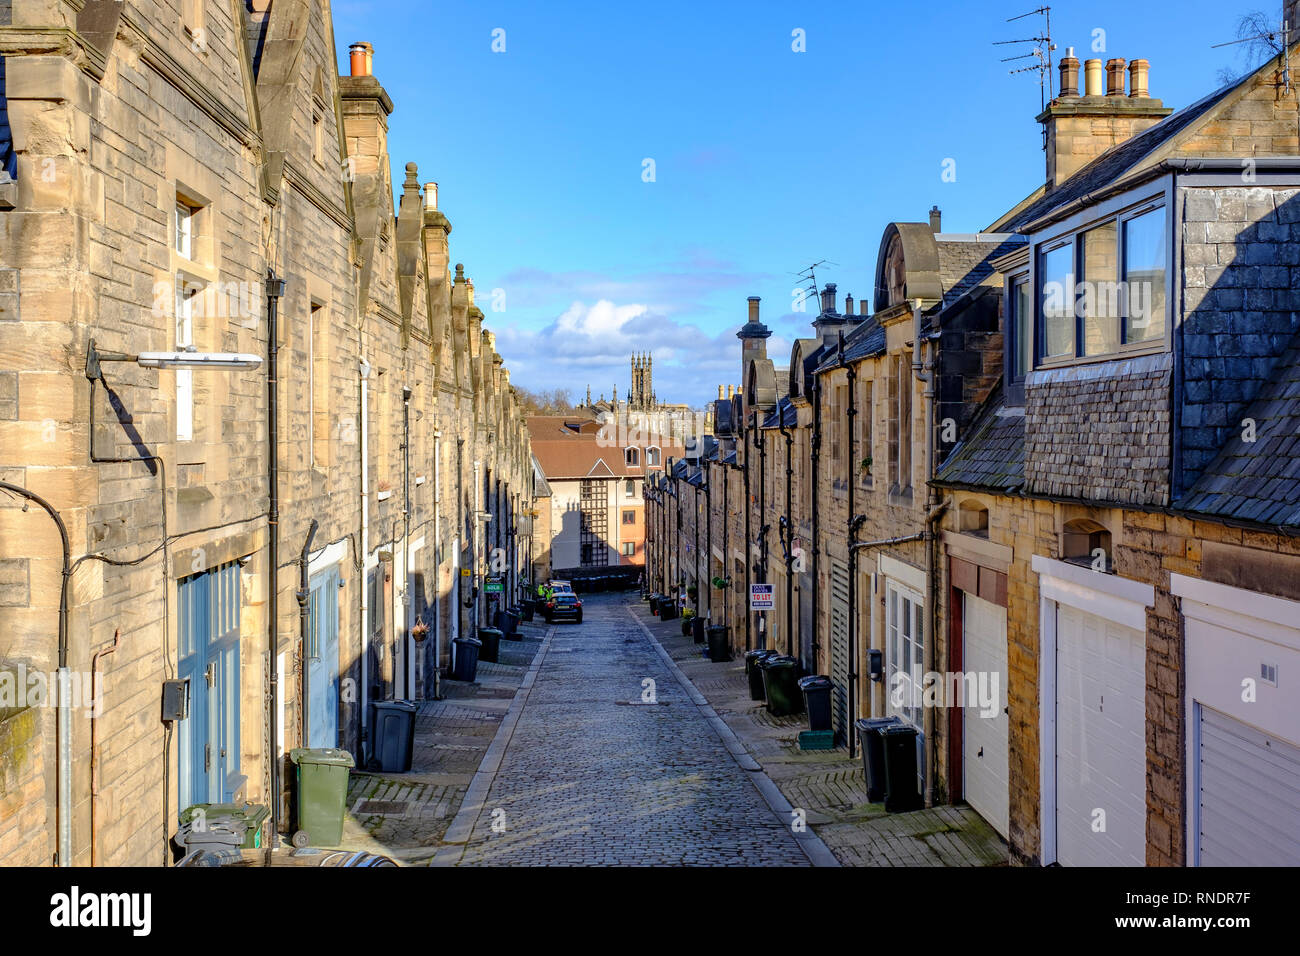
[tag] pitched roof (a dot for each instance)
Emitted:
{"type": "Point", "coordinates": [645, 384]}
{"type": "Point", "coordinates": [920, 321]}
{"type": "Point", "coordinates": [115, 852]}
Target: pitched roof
{"type": "Point", "coordinates": [1259, 481]}
{"type": "Point", "coordinates": [865, 340]}
{"type": "Point", "coordinates": [966, 261]}
{"type": "Point", "coordinates": [784, 414]}
{"type": "Point", "coordinates": [1119, 160]}
{"type": "Point", "coordinates": [993, 453]}
{"type": "Point", "coordinates": [589, 456]}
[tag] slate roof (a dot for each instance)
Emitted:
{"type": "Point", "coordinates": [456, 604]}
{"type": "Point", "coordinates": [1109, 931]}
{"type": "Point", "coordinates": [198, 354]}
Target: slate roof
{"type": "Point", "coordinates": [1259, 481]}
{"type": "Point", "coordinates": [784, 414]}
{"type": "Point", "coordinates": [1120, 160]}
{"type": "Point", "coordinates": [865, 340]}
{"type": "Point", "coordinates": [965, 263]}
{"type": "Point", "coordinates": [993, 453]}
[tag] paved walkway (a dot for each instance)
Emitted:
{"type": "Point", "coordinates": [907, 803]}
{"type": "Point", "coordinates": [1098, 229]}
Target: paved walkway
{"type": "Point", "coordinates": [608, 759]}
{"type": "Point", "coordinates": [405, 816]}
{"type": "Point", "coordinates": [827, 785]}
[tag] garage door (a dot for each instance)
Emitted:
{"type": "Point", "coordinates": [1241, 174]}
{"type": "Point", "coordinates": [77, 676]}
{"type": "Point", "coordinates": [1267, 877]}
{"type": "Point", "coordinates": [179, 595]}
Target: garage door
{"type": "Point", "coordinates": [1100, 741]}
{"type": "Point", "coordinates": [1248, 782]}
{"type": "Point", "coordinates": [984, 744]}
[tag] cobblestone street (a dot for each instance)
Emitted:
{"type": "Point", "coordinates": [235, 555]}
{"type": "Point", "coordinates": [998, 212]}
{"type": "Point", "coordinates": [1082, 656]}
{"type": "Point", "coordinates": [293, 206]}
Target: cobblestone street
{"type": "Point", "coordinates": [593, 775]}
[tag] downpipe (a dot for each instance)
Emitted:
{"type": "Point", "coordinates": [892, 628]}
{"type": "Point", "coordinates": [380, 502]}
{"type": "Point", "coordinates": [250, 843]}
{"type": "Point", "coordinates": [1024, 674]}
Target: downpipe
{"type": "Point", "coordinates": [304, 626]}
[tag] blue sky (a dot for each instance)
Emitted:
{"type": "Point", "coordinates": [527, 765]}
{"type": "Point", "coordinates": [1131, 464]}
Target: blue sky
{"type": "Point", "coordinates": [765, 159]}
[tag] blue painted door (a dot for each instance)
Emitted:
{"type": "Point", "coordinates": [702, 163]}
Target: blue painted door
{"type": "Point", "coordinates": [323, 660]}
{"type": "Point", "coordinates": [208, 657]}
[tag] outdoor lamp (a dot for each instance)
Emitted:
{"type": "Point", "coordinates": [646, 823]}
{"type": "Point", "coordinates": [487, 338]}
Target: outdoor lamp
{"type": "Point", "coordinates": [183, 359]}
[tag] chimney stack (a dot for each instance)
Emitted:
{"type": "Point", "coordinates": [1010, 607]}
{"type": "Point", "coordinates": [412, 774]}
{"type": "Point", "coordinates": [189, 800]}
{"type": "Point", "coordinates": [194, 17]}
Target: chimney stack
{"type": "Point", "coordinates": [1081, 128]}
{"type": "Point", "coordinates": [1137, 79]}
{"type": "Point", "coordinates": [361, 57]}
{"type": "Point", "coordinates": [828, 297]}
{"type": "Point", "coordinates": [1069, 73]}
{"type": "Point", "coordinates": [1115, 76]}
{"type": "Point", "coordinates": [936, 226]}
{"type": "Point", "coordinates": [753, 308]}
{"type": "Point", "coordinates": [862, 307]}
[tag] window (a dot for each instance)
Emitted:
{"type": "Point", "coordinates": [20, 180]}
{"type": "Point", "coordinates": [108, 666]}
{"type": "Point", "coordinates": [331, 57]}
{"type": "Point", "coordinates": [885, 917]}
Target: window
{"type": "Point", "coordinates": [317, 138]}
{"type": "Point", "coordinates": [652, 455]}
{"type": "Point", "coordinates": [1100, 291]}
{"type": "Point", "coordinates": [629, 548]}
{"type": "Point", "coordinates": [1098, 305]}
{"type": "Point", "coordinates": [905, 663]}
{"type": "Point", "coordinates": [1022, 313]}
{"type": "Point", "coordinates": [1056, 288]}
{"type": "Point", "coordinates": [318, 387]}
{"type": "Point", "coordinates": [902, 459]}
{"type": "Point", "coordinates": [184, 223]}
{"type": "Point", "coordinates": [839, 405]}
{"type": "Point", "coordinates": [186, 293]}
{"type": "Point", "coordinates": [862, 424]}
{"type": "Point", "coordinates": [629, 489]}
{"type": "Point", "coordinates": [633, 457]}
{"type": "Point", "coordinates": [629, 517]}
{"type": "Point", "coordinates": [1144, 276]}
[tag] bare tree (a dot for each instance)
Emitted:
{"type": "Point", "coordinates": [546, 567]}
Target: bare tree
{"type": "Point", "coordinates": [1259, 39]}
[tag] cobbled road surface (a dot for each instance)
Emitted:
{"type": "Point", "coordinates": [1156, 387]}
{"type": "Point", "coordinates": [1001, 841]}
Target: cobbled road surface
{"type": "Point", "coordinates": [595, 777]}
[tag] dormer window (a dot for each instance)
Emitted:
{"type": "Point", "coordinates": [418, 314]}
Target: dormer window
{"type": "Point", "coordinates": [1100, 291]}
{"type": "Point", "coordinates": [633, 457]}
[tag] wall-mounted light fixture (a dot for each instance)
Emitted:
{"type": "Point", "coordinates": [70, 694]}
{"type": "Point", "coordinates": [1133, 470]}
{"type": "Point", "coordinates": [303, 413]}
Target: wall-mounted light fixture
{"type": "Point", "coordinates": [182, 359]}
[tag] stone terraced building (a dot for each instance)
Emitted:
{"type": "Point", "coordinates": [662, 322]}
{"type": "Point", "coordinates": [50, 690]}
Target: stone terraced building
{"type": "Point", "coordinates": [1071, 444]}
{"type": "Point", "coordinates": [176, 173]}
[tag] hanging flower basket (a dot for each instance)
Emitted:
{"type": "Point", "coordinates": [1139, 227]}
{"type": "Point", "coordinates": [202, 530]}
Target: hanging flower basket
{"type": "Point", "coordinates": [419, 631]}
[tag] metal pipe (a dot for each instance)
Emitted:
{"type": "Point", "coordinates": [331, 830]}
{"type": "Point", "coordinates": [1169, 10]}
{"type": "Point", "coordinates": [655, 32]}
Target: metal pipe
{"type": "Point", "coordinates": [304, 625]}
{"type": "Point", "coordinates": [363, 370]}
{"type": "Point", "coordinates": [408, 603]}
{"type": "Point", "coordinates": [96, 705]}
{"type": "Point", "coordinates": [855, 523]}
{"type": "Point", "coordinates": [274, 290]}
{"type": "Point", "coordinates": [926, 376]}
{"type": "Point", "coordinates": [708, 537]}
{"type": "Point", "coordinates": [437, 544]}
{"type": "Point", "coordinates": [64, 786]}
{"type": "Point", "coordinates": [749, 571]}
{"type": "Point", "coordinates": [789, 542]}
{"type": "Point", "coordinates": [726, 532]}
{"type": "Point", "coordinates": [814, 457]}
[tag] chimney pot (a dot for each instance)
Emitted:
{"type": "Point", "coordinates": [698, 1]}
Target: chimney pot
{"type": "Point", "coordinates": [753, 308]}
{"type": "Point", "coordinates": [1069, 74]}
{"type": "Point", "coordinates": [431, 195]}
{"type": "Point", "coordinates": [1092, 78]}
{"type": "Point", "coordinates": [828, 297]}
{"type": "Point", "coordinates": [848, 304]}
{"type": "Point", "coordinates": [936, 225]}
{"type": "Point", "coordinates": [719, 393]}
{"type": "Point", "coordinates": [862, 307]}
{"type": "Point", "coordinates": [361, 58]}
{"type": "Point", "coordinates": [1138, 73]}
{"type": "Point", "coordinates": [731, 392]}
{"type": "Point", "coordinates": [1115, 77]}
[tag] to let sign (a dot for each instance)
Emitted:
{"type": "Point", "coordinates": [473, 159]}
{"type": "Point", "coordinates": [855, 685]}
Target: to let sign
{"type": "Point", "coordinates": [493, 587]}
{"type": "Point", "coordinates": [760, 597]}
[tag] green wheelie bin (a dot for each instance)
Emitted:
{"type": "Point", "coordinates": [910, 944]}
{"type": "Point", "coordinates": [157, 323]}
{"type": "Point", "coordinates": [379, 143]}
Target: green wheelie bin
{"type": "Point", "coordinates": [322, 792]}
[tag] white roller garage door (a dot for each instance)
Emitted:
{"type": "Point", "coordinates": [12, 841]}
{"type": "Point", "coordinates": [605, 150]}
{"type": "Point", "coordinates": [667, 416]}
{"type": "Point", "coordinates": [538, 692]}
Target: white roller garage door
{"type": "Point", "coordinates": [984, 744]}
{"type": "Point", "coordinates": [1248, 785]}
{"type": "Point", "coordinates": [1100, 741]}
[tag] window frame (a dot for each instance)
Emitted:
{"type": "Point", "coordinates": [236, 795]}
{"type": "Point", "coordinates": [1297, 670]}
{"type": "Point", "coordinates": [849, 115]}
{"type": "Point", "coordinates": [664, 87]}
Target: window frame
{"type": "Point", "coordinates": [1119, 210]}
{"type": "Point", "coordinates": [896, 638]}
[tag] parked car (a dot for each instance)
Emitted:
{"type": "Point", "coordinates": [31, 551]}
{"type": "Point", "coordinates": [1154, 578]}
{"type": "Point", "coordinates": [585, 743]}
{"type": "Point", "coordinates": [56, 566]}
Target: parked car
{"type": "Point", "coordinates": [563, 605]}
{"type": "Point", "coordinates": [560, 587]}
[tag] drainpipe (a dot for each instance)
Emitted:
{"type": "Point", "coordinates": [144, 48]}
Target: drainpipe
{"type": "Point", "coordinates": [856, 521]}
{"type": "Point", "coordinates": [363, 368]}
{"type": "Point", "coordinates": [726, 534]}
{"type": "Point", "coordinates": [97, 704]}
{"type": "Point", "coordinates": [407, 602]}
{"type": "Point", "coordinates": [749, 571]}
{"type": "Point", "coordinates": [814, 455]}
{"type": "Point", "coordinates": [460, 535]}
{"type": "Point", "coordinates": [789, 543]}
{"type": "Point", "coordinates": [695, 529]}
{"type": "Point", "coordinates": [304, 625]}
{"type": "Point", "coordinates": [708, 537]}
{"type": "Point", "coordinates": [274, 290]}
{"type": "Point", "coordinates": [924, 372]}
{"type": "Point", "coordinates": [437, 543]}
